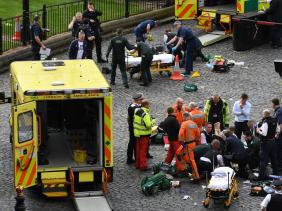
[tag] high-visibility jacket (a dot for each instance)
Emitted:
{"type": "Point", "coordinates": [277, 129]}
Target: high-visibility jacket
{"type": "Point", "coordinates": [189, 132]}
{"type": "Point", "coordinates": [198, 117]}
{"type": "Point", "coordinates": [142, 122]}
{"type": "Point", "coordinates": [179, 112]}
{"type": "Point", "coordinates": [224, 111]}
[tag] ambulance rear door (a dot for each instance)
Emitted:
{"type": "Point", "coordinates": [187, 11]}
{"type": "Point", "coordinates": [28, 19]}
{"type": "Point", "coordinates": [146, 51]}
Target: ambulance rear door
{"type": "Point", "coordinates": [25, 144]}
{"type": "Point", "coordinates": [186, 9]}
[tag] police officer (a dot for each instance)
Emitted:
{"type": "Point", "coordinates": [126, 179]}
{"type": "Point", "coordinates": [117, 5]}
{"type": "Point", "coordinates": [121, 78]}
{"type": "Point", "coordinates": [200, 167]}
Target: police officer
{"type": "Point", "coordinates": [131, 147]}
{"type": "Point", "coordinates": [185, 35]}
{"type": "Point", "coordinates": [144, 28]}
{"type": "Point", "coordinates": [76, 25]}
{"type": "Point", "coordinates": [36, 38]}
{"type": "Point", "coordinates": [278, 116]}
{"type": "Point", "coordinates": [92, 15]}
{"type": "Point", "coordinates": [89, 37]}
{"type": "Point", "coordinates": [267, 128]}
{"type": "Point", "coordinates": [146, 54]}
{"type": "Point", "coordinates": [118, 45]}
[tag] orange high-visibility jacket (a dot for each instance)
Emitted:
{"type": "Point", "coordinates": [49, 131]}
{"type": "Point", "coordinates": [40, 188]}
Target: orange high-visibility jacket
{"type": "Point", "coordinates": [189, 131]}
{"type": "Point", "coordinates": [198, 117]}
{"type": "Point", "coordinates": [179, 112]}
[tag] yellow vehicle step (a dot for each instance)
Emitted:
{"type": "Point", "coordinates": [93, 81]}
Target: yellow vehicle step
{"type": "Point", "coordinates": [54, 184]}
{"type": "Point", "coordinates": [56, 194]}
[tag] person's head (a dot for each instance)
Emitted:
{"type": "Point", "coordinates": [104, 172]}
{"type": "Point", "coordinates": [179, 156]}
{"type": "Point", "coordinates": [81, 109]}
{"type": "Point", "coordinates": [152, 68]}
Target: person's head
{"type": "Point", "coordinates": [275, 103]}
{"type": "Point", "coordinates": [167, 31]}
{"type": "Point", "coordinates": [208, 127]}
{"type": "Point", "coordinates": [90, 6]}
{"type": "Point", "coordinates": [119, 31]}
{"type": "Point", "coordinates": [244, 98]}
{"type": "Point", "coordinates": [81, 36]}
{"type": "Point", "coordinates": [179, 102]}
{"type": "Point", "coordinates": [266, 113]}
{"type": "Point", "coordinates": [145, 103]}
{"type": "Point", "coordinates": [137, 98]}
{"type": "Point", "coordinates": [170, 111]}
{"type": "Point", "coordinates": [232, 129]}
{"type": "Point", "coordinates": [251, 123]}
{"type": "Point", "coordinates": [36, 18]}
{"type": "Point", "coordinates": [215, 98]}
{"type": "Point", "coordinates": [193, 105]}
{"type": "Point", "coordinates": [78, 16]}
{"type": "Point", "coordinates": [177, 24]}
{"type": "Point", "coordinates": [248, 136]}
{"type": "Point", "coordinates": [215, 144]}
{"type": "Point", "coordinates": [186, 116]}
{"type": "Point", "coordinates": [227, 133]}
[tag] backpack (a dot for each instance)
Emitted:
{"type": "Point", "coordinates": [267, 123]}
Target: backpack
{"type": "Point", "coordinates": [190, 87]}
{"type": "Point", "coordinates": [221, 66]}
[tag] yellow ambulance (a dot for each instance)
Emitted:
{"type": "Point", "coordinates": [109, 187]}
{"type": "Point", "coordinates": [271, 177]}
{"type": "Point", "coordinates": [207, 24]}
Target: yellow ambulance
{"type": "Point", "coordinates": [61, 127]}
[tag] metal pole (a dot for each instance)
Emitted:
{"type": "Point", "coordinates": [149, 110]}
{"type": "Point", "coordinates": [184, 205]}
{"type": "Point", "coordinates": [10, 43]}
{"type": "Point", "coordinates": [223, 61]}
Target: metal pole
{"type": "Point", "coordinates": [44, 21]}
{"type": "Point", "coordinates": [1, 36]}
{"type": "Point", "coordinates": [25, 24]}
{"type": "Point", "coordinates": [126, 8]}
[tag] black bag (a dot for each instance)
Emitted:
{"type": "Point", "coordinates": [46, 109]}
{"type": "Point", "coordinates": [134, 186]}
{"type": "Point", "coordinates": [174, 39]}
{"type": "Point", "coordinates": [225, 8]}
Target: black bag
{"type": "Point", "coordinates": [221, 66]}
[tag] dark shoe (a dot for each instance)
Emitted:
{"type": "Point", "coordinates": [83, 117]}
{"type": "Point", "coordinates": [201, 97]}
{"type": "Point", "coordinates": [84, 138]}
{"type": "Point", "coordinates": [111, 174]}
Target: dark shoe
{"type": "Point", "coordinates": [150, 156]}
{"type": "Point", "coordinates": [113, 83]}
{"type": "Point", "coordinates": [130, 162]}
{"type": "Point", "coordinates": [102, 61]}
{"type": "Point", "coordinates": [144, 84]}
{"type": "Point", "coordinates": [126, 86]}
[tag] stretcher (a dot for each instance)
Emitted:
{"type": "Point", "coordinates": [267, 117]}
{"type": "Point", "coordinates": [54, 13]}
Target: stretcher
{"type": "Point", "coordinates": [161, 63]}
{"type": "Point", "coordinates": [222, 186]}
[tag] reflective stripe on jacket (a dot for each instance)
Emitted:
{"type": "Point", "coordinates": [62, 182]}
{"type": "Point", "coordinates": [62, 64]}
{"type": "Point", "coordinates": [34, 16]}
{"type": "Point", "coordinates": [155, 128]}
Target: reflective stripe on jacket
{"type": "Point", "coordinates": [189, 132]}
{"type": "Point", "coordinates": [142, 122]}
{"type": "Point", "coordinates": [198, 117]}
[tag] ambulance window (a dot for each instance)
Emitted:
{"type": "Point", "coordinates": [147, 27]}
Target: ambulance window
{"type": "Point", "coordinates": [25, 126]}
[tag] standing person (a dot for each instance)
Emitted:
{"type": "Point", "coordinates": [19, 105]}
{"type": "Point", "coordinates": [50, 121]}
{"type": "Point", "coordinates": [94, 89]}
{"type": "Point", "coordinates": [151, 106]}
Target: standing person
{"type": "Point", "coordinates": [142, 130]}
{"type": "Point", "coordinates": [171, 126]}
{"type": "Point", "coordinates": [179, 109]}
{"type": "Point", "coordinates": [274, 11]}
{"type": "Point", "coordinates": [196, 115]}
{"type": "Point", "coordinates": [131, 147]}
{"type": "Point", "coordinates": [144, 28]}
{"type": "Point", "coordinates": [76, 25]}
{"type": "Point", "coordinates": [217, 110]}
{"type": "Point", "coordinates": [206, 134]}
{"type": "Point", "coordinates": [278, 116]}
{"type": "Point", "coordinates": [89, 37]}
{"type": "Point", "coordinates": [146, 54]}
{"type": "Point", "coordinates": [77, 49]}
{"type": "Point", "coordinates": [189, 137]}
{"type": "Point", "coordinates": [118, 45]}
{"type": "Point", "coordinates": [241, 111]}
{"type": "Point", "coordinates": [268, 129]}
{"type": "Point", "coordinates": [185, 35]}
{"type": "Point", "coordinates": [36, 38]}
{"type": "Point", "coordinates": [92, 15]}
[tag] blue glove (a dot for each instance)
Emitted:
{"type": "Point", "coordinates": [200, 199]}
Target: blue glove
{"type": "Point", "coordinates": [174, 49]}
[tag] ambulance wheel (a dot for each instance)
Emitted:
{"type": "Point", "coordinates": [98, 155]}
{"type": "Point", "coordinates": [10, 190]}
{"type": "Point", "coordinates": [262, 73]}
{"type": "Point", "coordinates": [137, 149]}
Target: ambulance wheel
{"type": "Point", "coordinates": [206, 203]}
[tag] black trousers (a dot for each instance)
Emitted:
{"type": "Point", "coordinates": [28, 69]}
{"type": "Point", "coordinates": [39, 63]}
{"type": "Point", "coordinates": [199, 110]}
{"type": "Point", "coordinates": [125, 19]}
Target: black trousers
{"type": "Point", "coordinates": [89, 49]}
{"type": "Point", "coordinates": [145, 68]}
{"type": "Point", "coordinates": [35, 52]}
{"type": "Point", "coordinates": [276, 33]}
{"type": "Point", "coordinates": [122, 67]}
{"type": "Point", "coordinates": [241, 159]}
{"type": "Point", "coordinates": [241, 127]}
{"type": "Point", "coordinates": [98, 43]}
{"type": "Point", "coordinates": [268, 151]}
{"type": "Point", "coordinates": [131, 147]}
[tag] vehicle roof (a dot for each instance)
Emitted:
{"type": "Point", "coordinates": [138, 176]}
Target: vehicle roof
{"type": "Point", "coordinates": [75, 74]}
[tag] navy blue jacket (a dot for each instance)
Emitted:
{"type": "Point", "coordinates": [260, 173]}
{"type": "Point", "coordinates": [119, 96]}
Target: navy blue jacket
{"type": "Point", "coordinates": [73, 49]}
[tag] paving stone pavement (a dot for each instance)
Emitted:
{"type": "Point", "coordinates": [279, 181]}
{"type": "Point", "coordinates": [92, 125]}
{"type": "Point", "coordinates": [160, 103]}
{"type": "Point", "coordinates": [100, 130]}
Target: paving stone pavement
{"type": "Point", "coordinates": [258, 79]}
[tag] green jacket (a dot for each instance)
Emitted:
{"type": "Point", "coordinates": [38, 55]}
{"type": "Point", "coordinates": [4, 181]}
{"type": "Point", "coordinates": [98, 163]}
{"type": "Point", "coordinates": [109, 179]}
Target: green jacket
{"type": "Point", "coordinates": [142, 122]}
{"type": "Point", "coordinates": [225, 111]}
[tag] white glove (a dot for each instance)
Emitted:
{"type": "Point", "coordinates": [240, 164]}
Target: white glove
{"type": "Point", "coordinates": [166, 147]}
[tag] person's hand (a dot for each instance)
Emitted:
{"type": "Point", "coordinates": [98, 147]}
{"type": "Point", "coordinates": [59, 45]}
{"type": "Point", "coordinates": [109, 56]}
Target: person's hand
{"type": "Point", "coordinates": [73, 18]}
{"type": "Point", "coordinates": [174, 49]}
{"type": "Point", "coordinates": [43, 46]}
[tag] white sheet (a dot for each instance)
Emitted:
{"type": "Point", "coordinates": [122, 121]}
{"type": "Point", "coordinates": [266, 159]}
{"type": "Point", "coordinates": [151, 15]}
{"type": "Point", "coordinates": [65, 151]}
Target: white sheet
{"type": "Point", "coordinates": [219, 179]}
{"type": "Point", "coordinates": [135, 61]}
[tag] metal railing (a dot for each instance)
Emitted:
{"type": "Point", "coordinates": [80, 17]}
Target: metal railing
{"type": "Point", "coordinates": [15, 31]}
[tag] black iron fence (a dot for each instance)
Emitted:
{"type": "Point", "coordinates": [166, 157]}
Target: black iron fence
{"type": "Point", "coordinates": [15, 31]}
